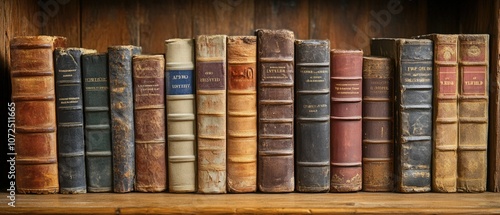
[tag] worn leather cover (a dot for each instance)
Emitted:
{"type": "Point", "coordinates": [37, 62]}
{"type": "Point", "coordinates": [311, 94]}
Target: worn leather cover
{"type": "Point", "coordinates": [32, 76]}
{"type": "Point", "coordinates": [275, 171]}
{"type": "Point", "coordinates": [312, 115]}
{"type": "Point", "coordinates": [97, 122]}
{"type": "Point", "coordinates": [211, 112]}
{"type": "Point", "coordinates": [346, 110]}
{"type": "Point", "coordinates": [473, 64]}
{"type": "Point", "coordinates": [378, 124]}
{"type": "Point", "coordinates": [241, 114]}
{"type": "Point", "coordinates": [413, 120]}
{"type": "Point", "coordinates": [149, 120]}
{"type": "Point", "coordinates": [181, 108]}
{"type": "Point", "coordinates": [70, 135]}
{"type": "Point", "coordinates": [122, 116]}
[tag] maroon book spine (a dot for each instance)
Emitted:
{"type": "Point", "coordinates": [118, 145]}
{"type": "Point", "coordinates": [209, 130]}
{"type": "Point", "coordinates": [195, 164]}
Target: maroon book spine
{"type": "Point", "coordinates": [345, 120]}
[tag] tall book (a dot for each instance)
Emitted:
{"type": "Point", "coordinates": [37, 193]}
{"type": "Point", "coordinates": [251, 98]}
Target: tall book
{"type": "Point", "coordinates": [445, 109]}
{"type": "Point", "coordinates": [122, 116]}
{"type": "Point", "coordinates": [181, 109]}
{"type": "Point", "coordinates": [70, 134]}
{"type": "Point", "coordinates": [149, 123]}
{"type": "Point", "coordinates": [473, 65]}
{"type": "Point", "coordinates": [378, 124]}
{"type": "Point", "coordinates": [241, 114]}
{"type": "Point", "coordinates": [312, 115]}
{"type": "Point", "coordinates": [211, 112]}
{"type": "Point", "coordinates": [275, 59]}
{"type": "Point", "coordinates": [413, 60]}
{"type": "Point", "coordinates": [32, 77]}
{"type": "Point", "coordinates": [346, 114]}
{"type": "Point", "coordinates": [97, 123]}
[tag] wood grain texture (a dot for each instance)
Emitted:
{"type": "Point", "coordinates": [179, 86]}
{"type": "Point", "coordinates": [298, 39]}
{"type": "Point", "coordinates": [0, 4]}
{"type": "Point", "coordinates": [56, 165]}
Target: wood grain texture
{"type": "Point", "coordinates": [231, 17]}
{"type": "Point", "coordinates": [443, 17]}
{"type": "Point", "coordinates": [293, 203]}
{"type": "Point", "coordinates": [162, 20]}
{"type": "Point", "coordinates": [292, 15]}
{"type": "Point", "coordinates": [476, 16]}
{"type": "Point", "coordinates": [113, 23]}
{"type": "Point", "coordinates": [63, 19]}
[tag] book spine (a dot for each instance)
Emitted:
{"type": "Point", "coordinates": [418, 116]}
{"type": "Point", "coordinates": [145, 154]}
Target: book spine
{"type": "Point", "coordinates": [122, 116]}
{"type": "Point", "coordinates": [32, 78]}
{"type": "Point", "coordinates": [473, 112]}
{"type": "Point", "coordinates": [346, 111]}
{"type": "Point", "coordinates": [312, 115]}
{"type": "Point", "coordinates": [378, 124]}
{"type": "Point", "coordinates": [149, 120]}
{"type": "Point", "coordinates": [70, 135]}
{"type": "Point", "coordinates": [275, 110]}
{"type": "Point", "coordinates": [445, 130]}
{"type": "Point", "coordinates": [211, 112]}
{"type": "Point", "coordinates": [181, 108]}
{"type": "Point", "coordinates": [97, 123]}
{"type": "Point", "coordinates": [242, 114]}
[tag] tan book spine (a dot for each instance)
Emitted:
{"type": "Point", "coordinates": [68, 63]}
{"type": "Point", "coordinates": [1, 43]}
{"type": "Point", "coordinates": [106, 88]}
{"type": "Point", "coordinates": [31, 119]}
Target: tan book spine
{"type": "Point", "coordinates": [473, 112]}
{"type": "Point", "coordinates": [241, 114]}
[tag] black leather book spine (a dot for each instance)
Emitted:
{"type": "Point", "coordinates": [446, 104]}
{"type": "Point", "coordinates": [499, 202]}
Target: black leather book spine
{"type": "Point", "coordinates": [97, 122]}
{"type": "Point", "coordinates": [70, 136]}
{"type": "Point", "coordinates": [312, 119]}
{"type": "Point", "coordinates": [122, 116]}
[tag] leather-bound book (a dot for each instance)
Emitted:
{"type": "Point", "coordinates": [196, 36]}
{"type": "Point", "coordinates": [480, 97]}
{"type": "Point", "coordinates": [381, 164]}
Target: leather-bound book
{"type": "Point", "coordinates": [181, 109]}
{"type": "Point", "coordinates": [211, 112]}
{"type": "Point", "coordinates": [70, 134]}
{"type": "Point", "coordinates": [32, 76]}
{"type": "Point", "coordinates": [149, 120]}
{"type": "Point", "coordinates": [345, 120]}
{"type": "Point", "coordinates": [275, 58]}
{"type": "Point", "coordinates": [413, 60]}
{"type": "Point", "coordinates": [378, 124]}
{"type": "Point", "coordinates": [312, 115]}
{"type": "Point", "coordinates": [473, 62]}
{"type": "Point", "coordinates": [445, 109]}
{"type": "Point", "coordinates": [241, 114]}
{"type": "Point", "coordinates": [97, 122]}
{"type": "Point", "coordinates": [122, 116]}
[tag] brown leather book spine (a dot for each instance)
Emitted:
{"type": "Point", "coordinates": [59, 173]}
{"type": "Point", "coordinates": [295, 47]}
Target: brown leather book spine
{"type": "Point", "coordinates": [378, 124]}
{"type": "Point", "coordinates": [149, 114]}
{"type": "Point", "coordinates": [473, 64]}
{"type": "Point", "coordinates": [32, 76]}
{"type": "Point", "coordinates": [275, 110]}
{"type": "Point", "coordinates": [241, 114]}
{"type": "Point", "coordinates": [345, 120]}
{"type": "Point", "coordinates": [211, 112]}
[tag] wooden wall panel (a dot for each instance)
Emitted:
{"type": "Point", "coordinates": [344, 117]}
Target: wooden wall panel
{"type": "Point", "coordinates": [230, 17]}
{"type": "Point", "coordinates": [63, 20]}
{"type": "Point", "coordinates": [163, 20]}
{"type": "Point", "coordinates": [290, 14]}
{"type": "Point", "coordinates": [476, 16]}
{"type": "Point", "coordinates": [110, 23]}
{"type": "Point", "coordinates": [443, 17]}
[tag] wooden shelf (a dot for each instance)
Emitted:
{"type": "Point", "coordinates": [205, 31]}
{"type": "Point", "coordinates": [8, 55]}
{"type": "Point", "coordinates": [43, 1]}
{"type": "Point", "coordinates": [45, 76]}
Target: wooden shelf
{"type": "Point", "coordinates": [256, 203]}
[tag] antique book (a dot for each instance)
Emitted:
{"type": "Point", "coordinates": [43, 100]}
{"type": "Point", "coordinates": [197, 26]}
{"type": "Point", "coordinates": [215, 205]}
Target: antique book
{"type": "Point", "coordinates": [70, 134]}
{"type": "Point", "coordinates": [122, 116]}
{"type": "Point", "coordinates": [181, 109]}
{"type": "Point", "coordinates": [413, 60]}
{"type": "Point", "coordinates": [275, 160]}
{"type": "Point", "coordinates": [445, 109]}
{"type": "Point", "coordinates": [211, 112]}
{"type": "Point", "coordinates": [378, 124]}
{"type": "Point", "coordinates": [345, 119]}
{"type": "Point", "coordinates": [241, 114]}
{"type": "Point", "coordinates": [97, 122]}
{"type": "Point", "coordinates": [32, 78]}
{"type": "Point", "coordinates": [473, 63]}
{"type": "Point", "coordinates": [312, 115]}
{"type": "Point", "coordinates": [149, 123]}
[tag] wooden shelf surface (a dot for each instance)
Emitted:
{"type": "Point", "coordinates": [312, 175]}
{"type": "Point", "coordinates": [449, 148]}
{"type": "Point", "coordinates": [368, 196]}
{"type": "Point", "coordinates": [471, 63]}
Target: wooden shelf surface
{"type": "Point", "coordinates": [255, 203]}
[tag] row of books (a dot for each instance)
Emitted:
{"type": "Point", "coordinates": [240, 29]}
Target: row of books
{"type": "Point", "coordinates": [239, 114]}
